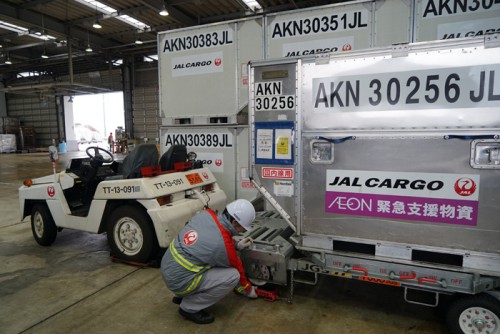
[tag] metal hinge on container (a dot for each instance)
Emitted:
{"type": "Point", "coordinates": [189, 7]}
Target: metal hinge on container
{"type": "Point", "coordinates": [322, 58]}
{"type": "Point", "coordinates": [492, 41]}
{"type": "Point", "coordinates": [400, 50]}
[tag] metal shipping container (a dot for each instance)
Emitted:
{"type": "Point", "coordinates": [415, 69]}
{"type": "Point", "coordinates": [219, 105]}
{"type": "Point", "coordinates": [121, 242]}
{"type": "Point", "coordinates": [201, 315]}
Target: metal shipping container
{"type": "Point", "coordinates": [223, 149]}
{"type": "Point", "coordinates": [383, 165]}
{"type": "Point", "coordinates": [202, 71]}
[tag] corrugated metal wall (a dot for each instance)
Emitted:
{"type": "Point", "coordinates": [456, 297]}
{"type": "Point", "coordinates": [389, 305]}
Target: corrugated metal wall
{"type": "Point", "coordinates": [39, 113]}
{"type": "Point", "coordinates": [45, 113]}
{"type": "Point", "coordinates": [145, 104]}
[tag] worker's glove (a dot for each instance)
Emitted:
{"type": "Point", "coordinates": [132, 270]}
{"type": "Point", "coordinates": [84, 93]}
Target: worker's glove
{"type": "Point", "coordinates": [244, 243]}
{"type": "Point", "coordinates": [250, 293]}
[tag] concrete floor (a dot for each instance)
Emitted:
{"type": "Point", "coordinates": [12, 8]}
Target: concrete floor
{"type": "Point", "coordinates": [74, 287]}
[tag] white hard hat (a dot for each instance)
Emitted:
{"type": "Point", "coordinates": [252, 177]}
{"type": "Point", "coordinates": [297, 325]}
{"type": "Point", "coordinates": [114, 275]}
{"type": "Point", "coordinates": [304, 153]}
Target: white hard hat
{"type": "Point", "coordinates": [243, 211]}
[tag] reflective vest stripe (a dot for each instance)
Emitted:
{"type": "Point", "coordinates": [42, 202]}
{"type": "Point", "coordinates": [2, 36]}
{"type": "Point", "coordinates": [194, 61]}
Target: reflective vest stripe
{"type": "Point", "coordinates": [242, 287]}
{"type": "Point", "coordinates": [183, 262]}
{"type": "Point", "coordinates": [194, 284]}
{"type": "Point", "coordinates": [188, 266]}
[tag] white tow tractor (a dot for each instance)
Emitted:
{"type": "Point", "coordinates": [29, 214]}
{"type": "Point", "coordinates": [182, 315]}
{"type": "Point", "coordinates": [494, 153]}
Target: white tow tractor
{"type": "Point", "coordinates": [141, 203]}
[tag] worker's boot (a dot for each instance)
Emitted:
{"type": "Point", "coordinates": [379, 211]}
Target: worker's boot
{"type": "Point", "coordinates": [177, 300]}
{"type": "Point", "coordinates": [200, 317]}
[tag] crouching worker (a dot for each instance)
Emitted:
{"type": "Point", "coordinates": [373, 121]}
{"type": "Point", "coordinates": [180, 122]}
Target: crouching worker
{"type": "Point", "coordinates": [201, 264]}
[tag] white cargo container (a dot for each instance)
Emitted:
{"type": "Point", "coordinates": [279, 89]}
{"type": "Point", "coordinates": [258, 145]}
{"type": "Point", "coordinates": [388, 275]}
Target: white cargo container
{"type": "Point", "coordinates": [337, 28]}
{"type": "Point", "coordinates": [202, 71]}
{"type": "Point", "coordinates": [435, 19]}
{"type": "Point", "coordinates": [223, 149]}
{"type": "Point", "coordinates": [384, 165]}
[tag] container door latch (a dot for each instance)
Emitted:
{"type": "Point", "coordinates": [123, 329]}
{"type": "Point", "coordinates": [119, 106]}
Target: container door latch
{"type": "Point", "coordinates": [485, 154]}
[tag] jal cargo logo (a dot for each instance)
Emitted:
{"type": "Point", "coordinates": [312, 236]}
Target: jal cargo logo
{"type": "Point", "coordinates": [51, 191]}
{"type": "Point", "coordinates": [469, 28]}
{"type": "Point", "coordinates": [423, 197]}
{"type": "Point", "coordinates": [214, 161]}
{"type": "Point", "coordinates": [387, 183]}
{"type": "Point", "coordinates": [217, 62]}
{"type": "Point", "coordinates": [438, 8]}
{"type": "Point", "coordinates": [317, 46]}
{"type": "Point", "coordinates": [465, 186]}
{"type": "Point", "coordinates": [197, 64]}
{"type": "Point", "coordinates": [190, 238]}
{"type": "Point", "coordinates": [435, 185]}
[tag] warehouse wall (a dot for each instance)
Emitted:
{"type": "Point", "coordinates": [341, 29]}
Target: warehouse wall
{"type": "Point", "coordinates": [39, 113]}
{"type": "Point", "coordinates": [145, 100]}
{"type": "Point", "coordinates": [45, 113]}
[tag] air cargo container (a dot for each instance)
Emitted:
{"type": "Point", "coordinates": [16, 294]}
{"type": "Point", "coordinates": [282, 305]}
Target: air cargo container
{"type": "Point", "coordinates": [383, 166]}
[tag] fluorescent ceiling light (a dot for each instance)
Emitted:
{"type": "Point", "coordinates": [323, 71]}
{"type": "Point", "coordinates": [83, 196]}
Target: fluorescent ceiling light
{"type": "Point", "coordinates": [252, 4]}
{"type": "Point", "coordinates": [116, 62]}
{"type": "Point", "coordinates": [30, 74]}
{"type": "Point", "coordinates": [150, 58]}
{"type": "Point", "coordinates": [105, 9]}
{"type": "Point", "coordinates": [133, 22]}
{"type": "Point", "coordinates": [42, 37]}
{"type": "Point", "coordinates": [99, 6]}
{"type": "Point", "coordinates": [25, 31]}
{"type": "Point", "coordinates": [12, 27]}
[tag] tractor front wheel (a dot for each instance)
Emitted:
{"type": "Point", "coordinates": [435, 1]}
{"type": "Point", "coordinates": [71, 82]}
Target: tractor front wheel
{"type": "Point", "coordinates": [131, 235]}
{"type": "Point", "coordinates": [42, 225]}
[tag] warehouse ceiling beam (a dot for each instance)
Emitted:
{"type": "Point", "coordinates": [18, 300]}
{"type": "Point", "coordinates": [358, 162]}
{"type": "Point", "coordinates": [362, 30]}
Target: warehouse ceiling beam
{"type": "Point", "coordinates": [33, 19]}
{"type": "Point", "coordinates": [34, 3]}
{"type": "Point", "coordinates": [172, 11]}
{"type": "Point", "coordinates": [56, 88]}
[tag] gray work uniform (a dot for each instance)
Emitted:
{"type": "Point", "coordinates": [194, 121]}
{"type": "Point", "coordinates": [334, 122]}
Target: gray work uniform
{"type": "Point", "coordinates": [201, 264]}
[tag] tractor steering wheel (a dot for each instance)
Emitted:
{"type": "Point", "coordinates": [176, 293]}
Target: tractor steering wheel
{"type": "Point", "coordinates": [98, 157]}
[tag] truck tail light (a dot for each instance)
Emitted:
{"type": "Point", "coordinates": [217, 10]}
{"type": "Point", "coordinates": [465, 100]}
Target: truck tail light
{"type": "Point", "coordinates": [164, 200]}
{"type": "Point", "coordinates": [28, 183]}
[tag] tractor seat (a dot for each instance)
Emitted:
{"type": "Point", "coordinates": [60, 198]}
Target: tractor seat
{"type": "Point", "coordinates": [143, 155]}
{"type": "Point", "coordinates": [176, 153]}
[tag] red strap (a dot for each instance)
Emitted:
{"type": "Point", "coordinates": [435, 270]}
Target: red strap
{"type": "Point", "coordinates": [232, 255]}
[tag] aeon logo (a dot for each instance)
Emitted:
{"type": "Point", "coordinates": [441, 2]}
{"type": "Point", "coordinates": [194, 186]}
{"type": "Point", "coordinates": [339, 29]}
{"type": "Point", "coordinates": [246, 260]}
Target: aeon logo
{"type": "Point", "coordinates": [465, 186]}
{"type": "Point", "coordinates": [190, 238]}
